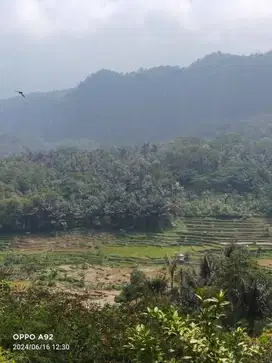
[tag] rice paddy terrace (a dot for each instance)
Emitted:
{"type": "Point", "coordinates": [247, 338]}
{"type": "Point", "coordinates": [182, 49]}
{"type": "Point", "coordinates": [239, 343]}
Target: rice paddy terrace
{"type": "Point", "coordinates": [102, 262]}
{"type": "Point", "coordinates": [190, 235]}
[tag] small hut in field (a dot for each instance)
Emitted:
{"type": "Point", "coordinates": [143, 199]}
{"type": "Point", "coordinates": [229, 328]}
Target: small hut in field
{"type": "Point", "coordinates": [180, 258]}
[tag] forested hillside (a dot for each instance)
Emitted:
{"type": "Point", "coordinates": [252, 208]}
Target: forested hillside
{"type": "Point", "coordinates": [10, 144]}
{"type": "Point", "coordinates": [217, 93]}
{"type": "Point", "coordinates": [142, 188]}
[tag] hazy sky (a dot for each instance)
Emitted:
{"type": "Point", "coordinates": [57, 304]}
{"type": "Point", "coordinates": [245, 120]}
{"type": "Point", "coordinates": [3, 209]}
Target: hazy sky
{"type": "Point", "coordinates": [54, 44]}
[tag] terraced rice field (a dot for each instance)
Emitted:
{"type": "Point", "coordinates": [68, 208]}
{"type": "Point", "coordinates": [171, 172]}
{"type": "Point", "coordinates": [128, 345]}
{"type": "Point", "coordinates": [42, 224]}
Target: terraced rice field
{"type": "Point", "coordinates": [107, 259]}
{"type": "Point", "coordinates": [211, 231]}
{"type": "Point", "coordinates": [191, 235]}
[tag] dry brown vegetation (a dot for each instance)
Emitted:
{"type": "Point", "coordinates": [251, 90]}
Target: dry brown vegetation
{"type": "Point", "coordinates": [76, 242]}
{"type": "Point", "coordinates": [100, 282]}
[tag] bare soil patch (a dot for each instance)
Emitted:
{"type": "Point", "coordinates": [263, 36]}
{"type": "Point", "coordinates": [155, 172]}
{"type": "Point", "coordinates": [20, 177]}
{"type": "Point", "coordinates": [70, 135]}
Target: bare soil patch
{"type": "Point", "coordinates": [110, 275]}
{"type": "Point", "coordinates": [100, 281]}
{"type": "Point", "coordinates": [66, 241]}
{"type": "Point", "coordinates": [265, 262]}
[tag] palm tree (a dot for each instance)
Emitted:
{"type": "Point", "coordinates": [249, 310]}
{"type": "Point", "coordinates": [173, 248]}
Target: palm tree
{"type": "Point", "coordinates": [255, 300]}
{"type": "Point", "coordinates": [172, 265]}
{"type": "Point", "coordinates": [207, 270]}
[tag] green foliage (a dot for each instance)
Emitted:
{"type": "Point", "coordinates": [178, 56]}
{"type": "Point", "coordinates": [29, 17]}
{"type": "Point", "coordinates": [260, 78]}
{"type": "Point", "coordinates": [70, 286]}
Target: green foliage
{"type": "Point", "coordinates": [174, 338]}
{"type": "Point", "coordinates": [5, 357]}
{"type": "Point", "coordinates": [94, 334]}
{"type": "Point", "coordinates": [143, 188]}
{"type": "Point", "coordinates": [4, 286]}
{"type": "Point", "coordinates": [192, 320]}
{"type": "Point", "coordinates": [248, 287]}
{"type": "Point", "coordinates": [266, 342]}
{"type": "Point", "coordinates": [142, 287]}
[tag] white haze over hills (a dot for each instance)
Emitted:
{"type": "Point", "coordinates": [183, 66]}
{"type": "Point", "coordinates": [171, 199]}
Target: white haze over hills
{"type": "Point", "coordinates": [54, 44]}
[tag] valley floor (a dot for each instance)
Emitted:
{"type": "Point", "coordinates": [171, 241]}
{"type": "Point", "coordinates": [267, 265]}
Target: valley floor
{"type": "Point", "coordinates": [99, 264]}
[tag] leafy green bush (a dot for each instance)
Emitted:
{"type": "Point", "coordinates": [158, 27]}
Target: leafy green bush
{"type": "Point", "coordinates": [173, 338]}
{"type": "Point", "coordinates": [5, 356]}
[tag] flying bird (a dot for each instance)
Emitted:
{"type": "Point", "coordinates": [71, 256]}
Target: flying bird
{"type": "Point", "coordinates": [20, 93]}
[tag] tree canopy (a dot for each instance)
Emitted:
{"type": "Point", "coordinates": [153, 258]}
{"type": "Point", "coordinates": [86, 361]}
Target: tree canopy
{"type": "Point", "coordinates": [143, 187]}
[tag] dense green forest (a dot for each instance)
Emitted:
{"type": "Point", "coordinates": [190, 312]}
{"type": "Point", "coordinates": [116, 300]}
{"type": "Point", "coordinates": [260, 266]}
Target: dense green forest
{"type": "Point", "coordinates": [143, 188]}
{"type": "Point", "coordinates": [218, 92]}
{"type": "Point", "coordinates": [216, 311]}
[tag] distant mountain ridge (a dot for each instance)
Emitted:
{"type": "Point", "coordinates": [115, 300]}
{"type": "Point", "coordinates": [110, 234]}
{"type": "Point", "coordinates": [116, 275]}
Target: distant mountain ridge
{"type": "Point", "coordinates": [158, 104]}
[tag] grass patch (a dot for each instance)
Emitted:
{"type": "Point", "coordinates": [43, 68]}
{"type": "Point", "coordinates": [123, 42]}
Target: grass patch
{"type": "Point", "coordinates": [20, 283]}
{"type": "Point", "coordinates": [2, 256]}
{"type": "Point", "coordinates": [147, 251]}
